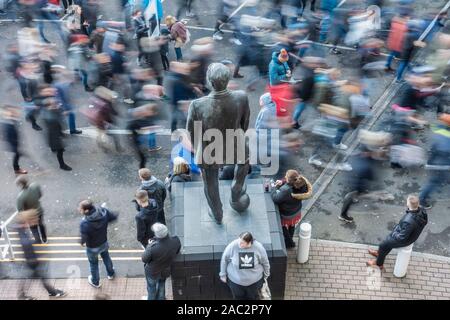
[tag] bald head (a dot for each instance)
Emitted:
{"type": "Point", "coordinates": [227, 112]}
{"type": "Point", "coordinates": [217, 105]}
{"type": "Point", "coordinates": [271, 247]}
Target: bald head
{"type": "Point", "coordinates": [218, 76]}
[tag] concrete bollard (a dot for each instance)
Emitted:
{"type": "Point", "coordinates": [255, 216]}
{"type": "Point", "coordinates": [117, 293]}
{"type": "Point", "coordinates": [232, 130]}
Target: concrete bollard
{"type": "Point", "coordinates": [402, 261]}
{"type": "Point", "coordinates": [304, 242]}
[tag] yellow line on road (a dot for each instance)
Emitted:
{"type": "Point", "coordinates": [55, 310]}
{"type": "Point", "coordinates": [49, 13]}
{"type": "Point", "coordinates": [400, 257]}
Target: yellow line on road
{"type": "Point", "coordinates": [78, 251]}
{"type": "Point", "coordinates": [73, 244]}
{"type": "Point", "coordinates": [52, 238]}
{"type": "Point", "coordinates": [74, 259]}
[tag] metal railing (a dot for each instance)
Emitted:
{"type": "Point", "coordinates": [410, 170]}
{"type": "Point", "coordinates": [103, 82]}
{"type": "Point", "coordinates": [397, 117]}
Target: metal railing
{"type": "Point", "coordinates": [7, 248]}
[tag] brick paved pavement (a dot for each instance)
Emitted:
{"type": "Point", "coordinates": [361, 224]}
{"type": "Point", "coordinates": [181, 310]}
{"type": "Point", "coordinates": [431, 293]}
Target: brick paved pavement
{"type": "Point", "coordinates": [336, 270]}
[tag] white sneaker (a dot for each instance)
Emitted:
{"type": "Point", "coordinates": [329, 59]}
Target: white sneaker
{"type": "Point", "coordinates": [111, 277]}
{"type": "Point", "coordinates": [340, 146]}
{"type": "Point", "coordinates": [217, 36]}
{"type": "Point", "coordinates": [236, 41]}
{"type": "Point", "coordinates": [92, 284]}
{"type": "Point", "coordinates": [315, 161]}
{"type": "Point", "coordinates": [144, 297]}
{"type": "Point", "coordinates": [190, 14]}
{"type": "Point", "coordinates": [344, 167]}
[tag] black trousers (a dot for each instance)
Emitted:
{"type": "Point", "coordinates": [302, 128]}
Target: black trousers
{"type": "Point", "coordinates": [185, 4]}
{"type": "Point", "coordinates": [385, 248]}
{"type": "Point", "coordinates": [39, 231]}
{"type": "Point", "coordinates": [137, 147]}
{"type": "Point", "coordinates": [60, 157]}
{"type": "Point", "coordinates": [250, 292]}
{"type": "Point", "coordinates": [288, 233]}
{"type": "Point", "coordinates": [348, 200]}
{"type": "Point", "coordinates": [36, 273]}
{"type": "Point", "coordinates": [16, 160]}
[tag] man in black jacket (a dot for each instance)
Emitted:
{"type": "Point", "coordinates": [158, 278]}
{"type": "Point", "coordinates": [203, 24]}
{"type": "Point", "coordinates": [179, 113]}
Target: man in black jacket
{"type": "Point", "coordinates": [10, 117]}
{"type": "Point", "coordinates": [406, 232]}
{"type": "Point", "coordinates": [155, 189]}
{"type": "Point", "coordinates": [94, 232]}
{"type": "Point", "coordinates": [146, 217]}
{"type": "Point", "coordinates": [157, 258]}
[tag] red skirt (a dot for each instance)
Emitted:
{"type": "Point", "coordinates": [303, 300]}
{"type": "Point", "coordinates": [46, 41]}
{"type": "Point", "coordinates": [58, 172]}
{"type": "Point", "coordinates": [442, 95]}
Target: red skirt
{"type": "Point", "coordinates": [291, 221]}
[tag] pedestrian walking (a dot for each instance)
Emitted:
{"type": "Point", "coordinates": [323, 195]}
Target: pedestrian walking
{"type": "Point", "coordinates": [244, 267]}
{"type": "Point", "coordinates": [178, 33]}
{"type": "Point", "coordinates": [158, 258]}
{"type": "Point", "coordinates": [288, 194]}
{"type": "Point", "coordinates": [405, 233]}
{"type": "Point", "coordinates": [29, 199]}
{"type": "Point", "coordinates": [94, 236]}
{"type": "Point", "coordinates": [440, 156]}
{"type": "Point", "coordinates": [29, 219]}
{"type": "Point", "coordinates": [362, 173]}
{"type": "Point", "coordinates": [53, 118]}
{"type": "Point", "coordinates": [10, 127]}
{"type": "Point", "coordinates": [278, 68]}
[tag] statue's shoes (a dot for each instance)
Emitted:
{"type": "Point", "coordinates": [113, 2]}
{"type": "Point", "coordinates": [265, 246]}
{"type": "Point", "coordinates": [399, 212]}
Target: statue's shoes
{"type": "Point", "coordinates": [210, 213]}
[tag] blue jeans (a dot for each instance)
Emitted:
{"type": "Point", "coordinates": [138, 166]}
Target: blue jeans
{"type": "Point", "coordinates": [401, 68]}
{"type": "Point", "coordinates": [391, 57]}
{"type": "Point", "coordinates": [71, 120]}
{"type": "Point", "coordinates": [179, 54]}
{"type": "Point", "coordinates": [340, 134]}
{"type": "Point", "coordinates": [156, 289]}
{"type": "Point", "coordinates": [325, 26]}
{"type": "Point", "coordinates": [298, 111]}
{"type": "Point", "coordinates": [437, 179]}
{"type": "Point", "coordinates": [151, 140]}
{"type": "Point", "coordinates": [92, 255]}
{"type": "Point", "coordinates": [53, 19]}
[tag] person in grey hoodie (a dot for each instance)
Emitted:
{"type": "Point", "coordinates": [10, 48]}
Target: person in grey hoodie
{"type": "Point", "coordinates": [94, 236]}
{"type": "Point", "coordinates": [266, 121]}
{"type": "Point", "coordinates": [155, 189]}
{"type": "Point", "coordinates": [244, 267]}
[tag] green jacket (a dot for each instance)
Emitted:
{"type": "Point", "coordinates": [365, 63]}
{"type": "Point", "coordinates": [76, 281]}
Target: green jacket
{"type": "Point", "coordinates": [29, 199]}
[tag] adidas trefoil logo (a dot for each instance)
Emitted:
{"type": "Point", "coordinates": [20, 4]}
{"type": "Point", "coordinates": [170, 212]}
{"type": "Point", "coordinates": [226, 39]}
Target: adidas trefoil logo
{"type": "Point", "coordinates": [246, 261]}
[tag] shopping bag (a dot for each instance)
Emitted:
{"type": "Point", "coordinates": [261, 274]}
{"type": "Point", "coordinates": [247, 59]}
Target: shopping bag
{"type": "Point", "coordinates": [408, 155]}
{"type": "Point", "coordinates": [264, 292]}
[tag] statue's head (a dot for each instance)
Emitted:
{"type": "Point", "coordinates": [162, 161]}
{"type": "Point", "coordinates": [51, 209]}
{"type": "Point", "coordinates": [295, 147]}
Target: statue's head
{"type": "Point", "coordinates": [218, 76]}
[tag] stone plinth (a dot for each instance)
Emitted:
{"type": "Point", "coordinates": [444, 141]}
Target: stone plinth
{"type": "Point", "coordinates": [195, 273]}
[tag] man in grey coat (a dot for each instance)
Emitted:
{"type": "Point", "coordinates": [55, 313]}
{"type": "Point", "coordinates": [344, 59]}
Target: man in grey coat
{"type": "Point", "coordinates": [210, 116]}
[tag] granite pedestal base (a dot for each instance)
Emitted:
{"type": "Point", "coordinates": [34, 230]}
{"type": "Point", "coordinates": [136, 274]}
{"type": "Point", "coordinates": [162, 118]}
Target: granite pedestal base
{"type": "Point", "coordinates": [195, 273]}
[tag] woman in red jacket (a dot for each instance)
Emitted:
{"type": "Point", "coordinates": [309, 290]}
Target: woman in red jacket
{"type": "Point", "coordinates": [399, 27]}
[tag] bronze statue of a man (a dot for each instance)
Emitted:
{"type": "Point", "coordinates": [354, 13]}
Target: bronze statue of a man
{"type": "Point", "coordinates": [219, 113]}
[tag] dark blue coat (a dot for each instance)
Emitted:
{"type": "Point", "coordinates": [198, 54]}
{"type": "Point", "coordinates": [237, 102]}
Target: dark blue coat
{"type": "Point", "coordinates": [11, 135]}
{"type": "Point", "coordinates": [94, 227]}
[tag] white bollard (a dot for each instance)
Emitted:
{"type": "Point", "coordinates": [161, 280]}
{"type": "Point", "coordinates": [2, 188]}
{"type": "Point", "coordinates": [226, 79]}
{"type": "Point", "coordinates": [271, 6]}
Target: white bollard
{"type": "Point", "coordinates": [402, 261]}
{"type": "Point", "coordinates": [304, 243]}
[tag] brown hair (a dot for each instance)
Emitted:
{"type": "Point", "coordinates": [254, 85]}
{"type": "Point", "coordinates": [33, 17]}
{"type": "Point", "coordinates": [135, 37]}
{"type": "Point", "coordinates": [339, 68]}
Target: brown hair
{"type": "Point", "coordinates": [142, 195]}
{"type": "Point", "coordinates": [86, 205]}
{"type": "Point", "coordinates": [145, 174]}
{"type": "Point", "coordinates": [247, 237]}
{"type": "Point", "coordinates": [22, 181]}
{"type": "Point", "coordinates": [293, 178]}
